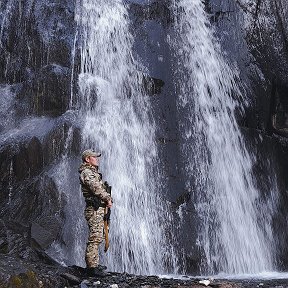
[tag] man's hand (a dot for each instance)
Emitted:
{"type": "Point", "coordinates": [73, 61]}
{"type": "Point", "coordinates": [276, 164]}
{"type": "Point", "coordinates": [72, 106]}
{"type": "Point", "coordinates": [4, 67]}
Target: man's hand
{"type": "Point", "coordinates": [109, 204]}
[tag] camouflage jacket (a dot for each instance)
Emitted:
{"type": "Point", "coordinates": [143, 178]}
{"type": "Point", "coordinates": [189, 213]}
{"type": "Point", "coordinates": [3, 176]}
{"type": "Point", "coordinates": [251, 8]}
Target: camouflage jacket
{"type": "Point", "coordinates": [92, 184]}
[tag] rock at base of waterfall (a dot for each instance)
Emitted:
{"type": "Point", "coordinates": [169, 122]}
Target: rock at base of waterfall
{"type": "Point", "coordinates": [15, 271]}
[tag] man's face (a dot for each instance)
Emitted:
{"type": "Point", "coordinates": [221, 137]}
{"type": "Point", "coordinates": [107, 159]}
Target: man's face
{"type": "Point", "coordinates": [93, 160]}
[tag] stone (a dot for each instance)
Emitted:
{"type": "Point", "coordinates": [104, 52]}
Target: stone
{"type": "Point", "coordinates": [205, 282]}
{"type": "Point", "coordinates": [43, 237]}
{"type": "Point", "coordinates": [152, 85]}
{"type": "Point", "coordinates": [72, 279]}
{"type": "Point", "coordinates": [84, 284]}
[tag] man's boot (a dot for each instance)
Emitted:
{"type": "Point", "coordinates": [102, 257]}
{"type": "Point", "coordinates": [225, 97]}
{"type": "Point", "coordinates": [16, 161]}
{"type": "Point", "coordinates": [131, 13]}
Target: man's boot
{"type": "Point", "coordinates": [102, 267]}
{"type": "Point", "coordinates": [96, 272]}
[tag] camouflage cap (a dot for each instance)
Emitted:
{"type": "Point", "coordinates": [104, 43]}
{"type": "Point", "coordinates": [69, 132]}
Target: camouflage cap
{"type": "Point", "coordinates": [89, 153]}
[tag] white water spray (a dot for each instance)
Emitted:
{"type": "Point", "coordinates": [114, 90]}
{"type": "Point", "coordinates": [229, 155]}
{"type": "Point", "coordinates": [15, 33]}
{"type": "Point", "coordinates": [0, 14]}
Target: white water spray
{"type": "Point", "coordinates": [71, 249]}
{"type": "Point", "coordinates": [236, 231]}
{"type": "Point", "coordinates": [118, 122]}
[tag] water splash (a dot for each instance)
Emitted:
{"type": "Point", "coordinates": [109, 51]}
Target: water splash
{"type": "Point", "coordinates": [10, 182]}
{"type": "Point", "coordinates": [71, 250]}
{"type": "Point", "coordinates": [235, 231]}
{"type": "Point", "coordinates": [118, 122]}
{"type": "Point", "coordinates": [7, 113]}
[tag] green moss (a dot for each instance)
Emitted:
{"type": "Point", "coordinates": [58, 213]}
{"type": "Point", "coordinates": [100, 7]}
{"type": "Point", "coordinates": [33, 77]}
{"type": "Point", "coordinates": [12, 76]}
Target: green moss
{"type": "Point", "coordinates": [4, 248]}
{"type": "Point", "coordinates": [24, 280]}
{"type": "Point", "coordinates": [31, 275]}
{"type": "Point", "coordinates": [15, 281]}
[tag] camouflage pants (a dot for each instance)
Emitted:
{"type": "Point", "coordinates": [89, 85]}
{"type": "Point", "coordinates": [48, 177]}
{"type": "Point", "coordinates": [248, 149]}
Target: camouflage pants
{"type": "Point", "coordinates": [95, 219]}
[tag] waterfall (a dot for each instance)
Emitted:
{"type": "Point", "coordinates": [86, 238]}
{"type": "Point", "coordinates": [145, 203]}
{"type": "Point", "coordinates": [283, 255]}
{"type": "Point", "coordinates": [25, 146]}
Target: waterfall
{"type": "Point", "coordinates": [118, 121]}
{"type": "Point", "coordinates": [7, 113]}
{"type": "Point", "coordinates": [70, 250]}
{"type": "Point", "coordinates": [235, 223]}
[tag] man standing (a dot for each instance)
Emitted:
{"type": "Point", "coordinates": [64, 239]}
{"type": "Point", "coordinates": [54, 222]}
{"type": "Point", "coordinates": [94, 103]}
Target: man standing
{"type": "Point", "coordinates": [97, 199]}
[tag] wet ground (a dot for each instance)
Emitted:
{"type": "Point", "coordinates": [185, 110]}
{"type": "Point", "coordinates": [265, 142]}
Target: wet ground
{"type": "Point", "coordinates": [19, 273]}
{"type": "Point", "coordinates": [116, 280]}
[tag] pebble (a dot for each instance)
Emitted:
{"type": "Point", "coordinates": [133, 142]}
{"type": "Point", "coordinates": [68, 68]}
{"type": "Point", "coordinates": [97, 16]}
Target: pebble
{"type": "Point", "coordinates": [84, 284]}
{"type": "Point", "coordinates": [205, 282]}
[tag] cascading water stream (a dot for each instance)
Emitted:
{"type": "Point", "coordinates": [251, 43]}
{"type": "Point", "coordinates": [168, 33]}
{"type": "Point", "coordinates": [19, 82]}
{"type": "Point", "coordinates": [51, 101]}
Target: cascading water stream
{"type": "Point", "coordinates": [235, 231]}
{"type": "Point", "coordinates": [117, 121]}
{"type": "Point", "coordinates": [70, 250]}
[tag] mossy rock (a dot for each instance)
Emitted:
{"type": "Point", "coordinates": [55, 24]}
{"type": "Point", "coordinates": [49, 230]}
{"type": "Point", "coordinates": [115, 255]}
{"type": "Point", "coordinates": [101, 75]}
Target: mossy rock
{"type": "Point", "coordinates": [24, 280]}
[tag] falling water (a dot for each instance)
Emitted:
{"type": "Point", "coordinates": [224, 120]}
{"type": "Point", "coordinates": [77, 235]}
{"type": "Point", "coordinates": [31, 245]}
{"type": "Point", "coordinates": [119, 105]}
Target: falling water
{"type": "Point", "coordinates": [235, 231]}
{"type": "Point", "coordinates": [10, 179]}
{"type": "Point", "coordinates": [117, 122]}
{"type": "Point", "coordinates": [7, 113]}
{"type": "Point", "coordinates": [70, 250]}
{"type": "Point", "coordinates": [5, 14]}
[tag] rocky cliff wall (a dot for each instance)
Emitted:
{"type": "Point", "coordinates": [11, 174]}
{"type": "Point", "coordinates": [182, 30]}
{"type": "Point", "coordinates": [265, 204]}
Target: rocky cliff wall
{"type": "Point", "coordinates": [36, 42]}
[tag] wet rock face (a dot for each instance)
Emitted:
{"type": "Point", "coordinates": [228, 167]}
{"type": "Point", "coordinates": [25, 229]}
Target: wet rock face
{"type": "Point", "coordinates": [36, 40]}
{"type": "Point", "coordinates": [35, 34]}
{"type": "Point", "coordinates": [152, 10]}
{"type": "Point", "coordinates": [259, 31]}
{"type": "Point", "coordinates": [47, 91]}
{"type": "Point", "coordinates": [35, 56]}
{"type": "Point", "coordinates": [268, 35]}
{"type": "Point", "coordinates": [267, 38]}
{"type": "Point", "coordinates": [37, 207]}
